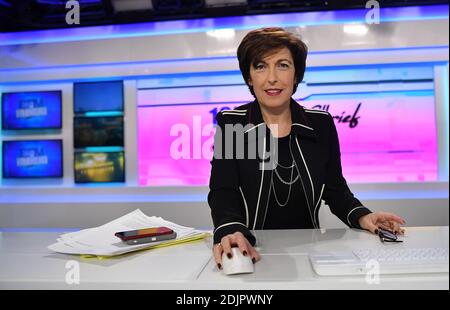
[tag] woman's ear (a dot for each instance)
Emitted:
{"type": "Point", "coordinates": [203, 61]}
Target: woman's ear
{"type": "Point", "coordinates": [249, 82]}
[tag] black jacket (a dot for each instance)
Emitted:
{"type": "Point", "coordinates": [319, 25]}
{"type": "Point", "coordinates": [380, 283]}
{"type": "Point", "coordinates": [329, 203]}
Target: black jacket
{"type": "Point", "coordinates": [239, 188]}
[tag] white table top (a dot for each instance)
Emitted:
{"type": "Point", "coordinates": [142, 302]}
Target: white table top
{"type": "Point", "coordinates": [26, 263]}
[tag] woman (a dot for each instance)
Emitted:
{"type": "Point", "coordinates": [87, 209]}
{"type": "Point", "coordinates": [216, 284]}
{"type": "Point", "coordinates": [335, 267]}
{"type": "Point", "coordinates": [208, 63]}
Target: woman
{"type": "Point", "coordinates": [248, 193]}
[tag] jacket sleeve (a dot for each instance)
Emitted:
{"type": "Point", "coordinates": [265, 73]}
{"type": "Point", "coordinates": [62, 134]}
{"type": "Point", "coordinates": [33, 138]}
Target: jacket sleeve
{"type": "Point", "coordinates": [224, 199]}
{"type": "Point", "coordinates": [337, 195]}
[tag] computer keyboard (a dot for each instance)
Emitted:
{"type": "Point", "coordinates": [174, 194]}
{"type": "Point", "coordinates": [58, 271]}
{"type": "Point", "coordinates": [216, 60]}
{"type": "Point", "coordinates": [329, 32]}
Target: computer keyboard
{"type": "Point", "coordinates": [385, 261]}
{"type": "Point", "coordinates": [404, 256]}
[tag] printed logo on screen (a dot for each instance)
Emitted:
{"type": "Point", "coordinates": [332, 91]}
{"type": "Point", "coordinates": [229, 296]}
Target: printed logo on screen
{"type": "Point", "coordinates": [31, 157]}
{"type": "Point", "coordinates": [352, 118]}
{"type": "Point", "coordinates": [31, 108]}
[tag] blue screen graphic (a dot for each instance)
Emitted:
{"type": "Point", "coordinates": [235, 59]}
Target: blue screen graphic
{"type": "Point", "coordinates": [98, 96]}
{"type": "Point", "coordinates": [32, 110]}
{"type": "Point", "coordinates": [32, 159]}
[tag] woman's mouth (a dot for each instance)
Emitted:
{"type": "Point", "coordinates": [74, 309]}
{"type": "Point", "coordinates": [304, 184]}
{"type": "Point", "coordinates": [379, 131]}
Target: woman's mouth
{"type": "Point", "coordinates": [273, 91]}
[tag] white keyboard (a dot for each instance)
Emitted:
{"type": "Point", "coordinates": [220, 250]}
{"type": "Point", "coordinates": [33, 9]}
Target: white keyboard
{"type": "Point", "coordinates": [385, 261]}
{"type": "Point", "coordinates": [407, 256]}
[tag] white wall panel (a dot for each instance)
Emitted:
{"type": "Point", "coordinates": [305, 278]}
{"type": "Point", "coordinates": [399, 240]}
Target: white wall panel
{"type": "Point", "coordinates": [387, 35]}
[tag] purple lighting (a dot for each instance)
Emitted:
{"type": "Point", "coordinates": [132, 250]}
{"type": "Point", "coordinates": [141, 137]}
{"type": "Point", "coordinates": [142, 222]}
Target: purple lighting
{"type": "Point", "coordinates": [207, 24]}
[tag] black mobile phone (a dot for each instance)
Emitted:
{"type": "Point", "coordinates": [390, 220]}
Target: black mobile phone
{"type": "Point", "coordinates": [151, 234]}
{"type": "Point", "coordinates": [156, 238]}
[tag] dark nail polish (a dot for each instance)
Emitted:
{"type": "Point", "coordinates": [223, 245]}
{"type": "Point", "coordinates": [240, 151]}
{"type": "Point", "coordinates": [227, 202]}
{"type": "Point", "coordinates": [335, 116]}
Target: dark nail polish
{"type": "Point", "coordinates": [245, 253]}
{"type": "Point", "coordinates": [376, 231]}
{"type": "Point", "coordinates": [254, 260]}
{"type": "Point", "coordinates": [219, 266]}
{"type": "Point", "coordinates": [229, 255]}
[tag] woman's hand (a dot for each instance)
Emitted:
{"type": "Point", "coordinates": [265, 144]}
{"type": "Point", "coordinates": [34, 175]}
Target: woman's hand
{"type": "Point", "coordinates": [233, 240]}
{"type": "Point", "coordinates": [383, 220]}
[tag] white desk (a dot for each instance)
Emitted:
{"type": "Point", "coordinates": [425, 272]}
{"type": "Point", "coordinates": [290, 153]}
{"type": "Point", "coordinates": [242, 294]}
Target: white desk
{"type": "Point", "coordinates": [25, 263]}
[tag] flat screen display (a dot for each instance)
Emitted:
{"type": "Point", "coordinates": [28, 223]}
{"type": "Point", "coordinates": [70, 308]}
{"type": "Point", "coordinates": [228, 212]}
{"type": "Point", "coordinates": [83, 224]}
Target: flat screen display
{"type": "Point", "coordinates": [33, 159]}
{"type": "Point", "coordinates": [99, 167]}
{"type": "Point", "coordinates": [98, 131]}
{"type": "Point", "coordinates": [102, 96]}
{"type": "Point", "coordinates": [31, 110]}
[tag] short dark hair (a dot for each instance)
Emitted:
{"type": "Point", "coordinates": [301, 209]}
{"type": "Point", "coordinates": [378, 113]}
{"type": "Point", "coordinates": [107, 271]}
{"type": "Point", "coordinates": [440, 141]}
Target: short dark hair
{"type": "Point", "coordinates": [260, 43]}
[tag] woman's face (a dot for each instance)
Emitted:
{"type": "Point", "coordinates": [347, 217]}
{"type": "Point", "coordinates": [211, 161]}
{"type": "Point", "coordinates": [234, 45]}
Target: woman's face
{"type": "Point", "coordinates": [273, 79]}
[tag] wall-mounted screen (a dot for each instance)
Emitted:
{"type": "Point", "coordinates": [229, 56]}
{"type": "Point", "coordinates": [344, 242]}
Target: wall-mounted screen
{"type": "Point", "coordinates": [31, 110]}
{"type": "Point", "coordinates": [99, 167]}
{"type": "Point", "coordinates": [33, 159]}
{"type": "Point", "coordinates": [98, 131]}
{"type": "Point", "coordinates": [102, 96]}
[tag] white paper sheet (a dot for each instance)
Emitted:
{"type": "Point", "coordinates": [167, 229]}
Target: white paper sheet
{"type": "Point", "coordinates": [102, 241]}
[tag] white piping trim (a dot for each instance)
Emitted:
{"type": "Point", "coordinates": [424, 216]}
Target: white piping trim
{"type": "Point", "coordinates": [317, 204]}
{"type": "Point", "coordinates": [228, 224]}
{"type": "Point", "coordinates": [260, 185]}
{"type": "Point", "coordinates": [234, 112]}
{"type": "Point", "coordinates": [307, 170]}
{"type": "Point", "coordinates": [315, 111]}
{"type": "Point", "coordinates": [307, 127]}
{"type": "Point", "coordinates": [245, 204]}
{"type": "Point", "coordinates": [348, 220]}
{"type": "Point", "coordinates": [254, 127]}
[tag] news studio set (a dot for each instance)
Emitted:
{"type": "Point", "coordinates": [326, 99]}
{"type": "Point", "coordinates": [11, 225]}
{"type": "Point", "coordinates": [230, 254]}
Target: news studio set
{"type": "Point", "coordinates": [224, 150]}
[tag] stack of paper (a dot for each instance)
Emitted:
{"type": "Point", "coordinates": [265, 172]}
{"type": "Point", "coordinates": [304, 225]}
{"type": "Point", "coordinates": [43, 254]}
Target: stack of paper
{"type": "Point", "coordinates": [101, 241]}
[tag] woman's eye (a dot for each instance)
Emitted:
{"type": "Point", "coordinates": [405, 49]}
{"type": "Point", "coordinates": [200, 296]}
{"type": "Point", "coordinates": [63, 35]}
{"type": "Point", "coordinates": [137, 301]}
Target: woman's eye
{"type": "Point", "coordinates": [259, 67]}
{"type": "Point", "coordinates": [284, 65]}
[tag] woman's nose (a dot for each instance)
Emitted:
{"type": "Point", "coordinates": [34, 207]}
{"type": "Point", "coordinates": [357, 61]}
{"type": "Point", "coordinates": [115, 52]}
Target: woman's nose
{"type": "Point", "coordinates": [272, 77]}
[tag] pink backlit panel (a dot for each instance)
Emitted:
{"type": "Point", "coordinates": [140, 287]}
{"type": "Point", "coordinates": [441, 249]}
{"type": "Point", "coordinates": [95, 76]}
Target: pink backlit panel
{"type": "Point", "coordinates": [386, 137]}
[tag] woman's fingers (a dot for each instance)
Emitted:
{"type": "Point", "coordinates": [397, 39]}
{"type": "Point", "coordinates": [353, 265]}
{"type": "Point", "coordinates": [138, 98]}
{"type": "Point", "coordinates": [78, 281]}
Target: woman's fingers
{"type": "Point", "coordinates": [226, 245]}
{"type": "Point", "coordinates": [385, 225]}
{"type": "Point", "coordinates": [243, 245]}
{"type": "Point", "coordinates": [368, 223]}
{"type": "Point", "coordinates": [372, 227]}
{"type": "Point", "coordinates": [390, 226]}
{"type": "Point", "coordinates": [217, 252]}
{"type": "Point", "coordinates": [229, 241]}
{"type": "Point", "coordinates": [396, 228]}
{"type": "Point", "coordinates": [385, 216]}
{"type": "Point", "coordinates": [254, 255]}
{"type": "Point", "coordinates": [391, 221]}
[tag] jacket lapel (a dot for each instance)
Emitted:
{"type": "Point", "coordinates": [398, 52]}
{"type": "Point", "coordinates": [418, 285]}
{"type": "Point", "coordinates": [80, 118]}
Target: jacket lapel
{"type": "Point", "coordinates": [257, 135]}
{"type": "Point", "coordinates": [304, 135]}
